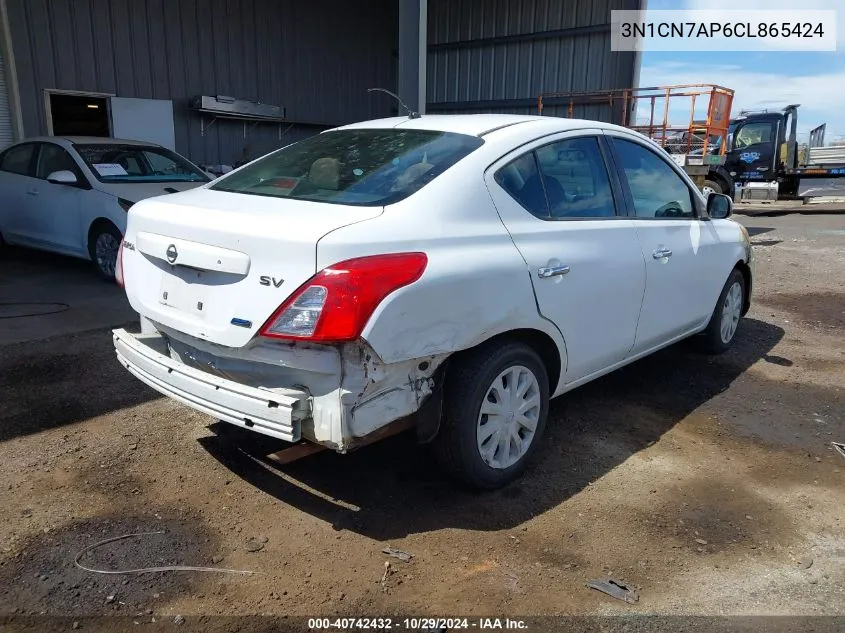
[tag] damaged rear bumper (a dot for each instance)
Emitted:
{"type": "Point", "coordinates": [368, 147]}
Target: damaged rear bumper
{"type": "Point", "coordinates": [339, 396]}
{"type": "Point", "coordinates": [277, 413]}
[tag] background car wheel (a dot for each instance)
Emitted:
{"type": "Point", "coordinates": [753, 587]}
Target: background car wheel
{"type": "Point", "coordinates": [494, 414]}
{"type": "Point", "coordinates": [103, 246]}
{"type": "Point", "coordinates": [724, 322]}
{"type": "Point", "coordinates": [711, 186]}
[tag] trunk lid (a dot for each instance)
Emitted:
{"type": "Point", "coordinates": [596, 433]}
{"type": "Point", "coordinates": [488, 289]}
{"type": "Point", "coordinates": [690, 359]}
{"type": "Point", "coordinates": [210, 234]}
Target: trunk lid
{"type": "Point", "coordinates": [216, 265]}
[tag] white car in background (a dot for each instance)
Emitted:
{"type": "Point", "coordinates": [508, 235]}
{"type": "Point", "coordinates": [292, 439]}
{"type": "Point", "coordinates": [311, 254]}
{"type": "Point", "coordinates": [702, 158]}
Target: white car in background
{"type": "Point", "coordinates": [450, 272]}
{"type": "Point", "coordinates": [70, 195]}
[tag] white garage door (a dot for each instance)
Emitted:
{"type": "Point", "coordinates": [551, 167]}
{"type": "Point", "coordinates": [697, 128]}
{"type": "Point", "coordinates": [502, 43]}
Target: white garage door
{"type": "Point", "coordinates": [5, 116]}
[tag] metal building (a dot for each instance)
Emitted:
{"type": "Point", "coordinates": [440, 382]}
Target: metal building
{"type": "Point", "coordinates": [499, 55]}
{"type": "Point", "coordinates": [277, 52]}
{"type": "Point", "coordinates": [135, 68]}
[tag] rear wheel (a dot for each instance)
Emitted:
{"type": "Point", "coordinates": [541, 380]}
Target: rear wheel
{"type": "Point", "coordinates": [103, 246]}
{"type": "Point", "coordinates": [724, 322]}
{"type": "Point", "coordinates": [494, 414]}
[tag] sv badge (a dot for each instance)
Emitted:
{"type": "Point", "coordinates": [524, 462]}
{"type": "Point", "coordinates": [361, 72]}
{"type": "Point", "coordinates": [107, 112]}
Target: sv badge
{"type": "Point", "coordinates": [264, 280]}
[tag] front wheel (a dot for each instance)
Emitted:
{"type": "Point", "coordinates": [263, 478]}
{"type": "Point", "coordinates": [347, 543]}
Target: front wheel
{"type": "Point", "coordinates": [494, 414]}
{"type": "Point", "coordinates": [724, 322]}
{"type": "Point", "coordinates": [103, 247]}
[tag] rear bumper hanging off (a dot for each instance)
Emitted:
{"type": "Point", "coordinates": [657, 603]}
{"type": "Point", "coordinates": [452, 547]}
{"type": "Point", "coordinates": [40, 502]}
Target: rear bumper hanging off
{"type": "Point", "coordinates": [272, 413]}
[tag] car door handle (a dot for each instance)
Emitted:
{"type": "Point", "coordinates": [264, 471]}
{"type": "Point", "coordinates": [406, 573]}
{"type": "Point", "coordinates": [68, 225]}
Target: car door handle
{"type": "Point", "coordinates": [552, 271]}
{"type": "Point", "coordinates": [32, 192]}
{"type": "Point", "coordinates": [660, 253]}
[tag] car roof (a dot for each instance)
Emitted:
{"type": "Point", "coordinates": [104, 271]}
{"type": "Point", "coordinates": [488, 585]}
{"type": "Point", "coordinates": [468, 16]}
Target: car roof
{"type": "Point", "coordinates": [86, 140]}
{"type": "Point", "coordinates": [100, 140]}
{"type": "Point", "coordinates": [475, 124]}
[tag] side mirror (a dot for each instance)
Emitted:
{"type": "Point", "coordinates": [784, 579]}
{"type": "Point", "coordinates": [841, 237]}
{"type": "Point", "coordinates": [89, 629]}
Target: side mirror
{"type": "Point", "coordinates": [62, 177]}
{"type": "Point", "coordinates": [719, 206]}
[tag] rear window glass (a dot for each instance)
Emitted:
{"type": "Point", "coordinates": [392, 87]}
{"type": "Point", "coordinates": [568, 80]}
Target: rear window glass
{"type": "Point", "coordinates": [355, 167]}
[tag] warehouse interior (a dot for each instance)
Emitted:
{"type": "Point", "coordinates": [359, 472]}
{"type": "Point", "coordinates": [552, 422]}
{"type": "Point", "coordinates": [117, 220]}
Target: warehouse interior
{"type": "Point", "coordinates": [226, 81]}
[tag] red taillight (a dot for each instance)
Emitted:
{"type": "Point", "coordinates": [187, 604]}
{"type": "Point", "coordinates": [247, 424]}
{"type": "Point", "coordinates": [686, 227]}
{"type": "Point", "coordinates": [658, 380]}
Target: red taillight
{"type": "Point", "coordinates": [118, 266]}
{"type": "Point", "coordinates": [336, 303]}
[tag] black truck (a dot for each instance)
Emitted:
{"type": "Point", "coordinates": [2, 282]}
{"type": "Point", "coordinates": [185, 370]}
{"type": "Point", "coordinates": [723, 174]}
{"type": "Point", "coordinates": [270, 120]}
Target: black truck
{"type": "Point", "coordinates": [763, 162]}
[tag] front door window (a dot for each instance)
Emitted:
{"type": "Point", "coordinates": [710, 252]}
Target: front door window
{"type": "Point", "coordinates": [657, 189]}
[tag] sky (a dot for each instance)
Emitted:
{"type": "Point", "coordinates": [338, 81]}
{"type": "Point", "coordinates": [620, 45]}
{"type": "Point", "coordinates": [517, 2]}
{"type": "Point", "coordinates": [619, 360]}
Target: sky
{"type": "Point", "coordinates": [765, 79]}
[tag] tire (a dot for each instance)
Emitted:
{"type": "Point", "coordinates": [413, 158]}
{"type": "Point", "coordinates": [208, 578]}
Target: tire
{"type": "Point", "coordinates": [472, 380]}
{"type": "Point", "coordinates": [103, 244]}
{"type": "Point", "coordinates": [713, 340]}
{"type": "Point", "coordinates": [713, 185]}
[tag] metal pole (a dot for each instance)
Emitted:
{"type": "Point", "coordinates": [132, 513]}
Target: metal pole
{"type": "Point", "coordinates": [412, 53]}
{"type": "Point", "coordinates": [625, 108]}
{"type": "Point", "coordinates": [651, 119]}
{"type": "Point", "coordinates": [692, 125]}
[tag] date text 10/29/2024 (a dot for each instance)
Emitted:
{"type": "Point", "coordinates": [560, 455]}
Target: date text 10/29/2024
{"type": "Point", "coordinates": [423, 625]}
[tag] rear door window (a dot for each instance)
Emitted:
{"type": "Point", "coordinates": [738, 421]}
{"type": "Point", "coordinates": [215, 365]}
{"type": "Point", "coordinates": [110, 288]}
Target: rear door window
{"type": "Point", "coordinates": [563, 180]}
{"type": "Point", "coordinates": [521, 179]}
{"type": "Point", "coordinates": [354, 167]}
{"type": "Point", "coordinates": [19, 159]}
{"type": "Point", "coordinates": [577, 184]}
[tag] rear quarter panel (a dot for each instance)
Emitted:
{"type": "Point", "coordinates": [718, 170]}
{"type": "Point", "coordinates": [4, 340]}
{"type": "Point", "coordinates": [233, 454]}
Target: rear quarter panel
{"type": "Point", "coordinates": [476, 284]}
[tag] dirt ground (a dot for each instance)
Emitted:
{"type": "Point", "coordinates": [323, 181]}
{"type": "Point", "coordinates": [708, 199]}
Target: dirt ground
{"type": "Point", "coordinates": [708, 484]}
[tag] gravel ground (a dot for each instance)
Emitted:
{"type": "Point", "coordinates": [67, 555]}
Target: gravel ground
{"type": "Point", "coordinates": [707, 484]}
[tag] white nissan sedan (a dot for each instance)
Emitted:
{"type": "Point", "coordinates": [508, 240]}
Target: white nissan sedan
{"type": "Point", "coordinates": [448, 272]}
{"type": "Point", "coordinates": [70, 194]}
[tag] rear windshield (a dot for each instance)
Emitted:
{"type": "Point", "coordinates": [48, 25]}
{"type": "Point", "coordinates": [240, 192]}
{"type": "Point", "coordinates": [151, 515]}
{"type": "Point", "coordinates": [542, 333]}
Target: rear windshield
{"type": "Point", "coordinates": [138, 163]}
{"type": "Point", "coordinates": [355, 167]}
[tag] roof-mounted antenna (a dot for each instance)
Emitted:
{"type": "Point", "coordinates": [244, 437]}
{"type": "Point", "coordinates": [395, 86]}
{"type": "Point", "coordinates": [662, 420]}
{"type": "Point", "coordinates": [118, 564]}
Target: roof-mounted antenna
{"type": "Point", "coordinates": [412, 114]}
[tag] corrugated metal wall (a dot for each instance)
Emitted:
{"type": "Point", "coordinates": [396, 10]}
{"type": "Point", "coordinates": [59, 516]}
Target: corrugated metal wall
{"type": "Point", "coordinates": [5, 114]}
{"type": "Point", "coordinates": [316, 59]}
{"type": "Point", "coordinates": [499, 55]}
